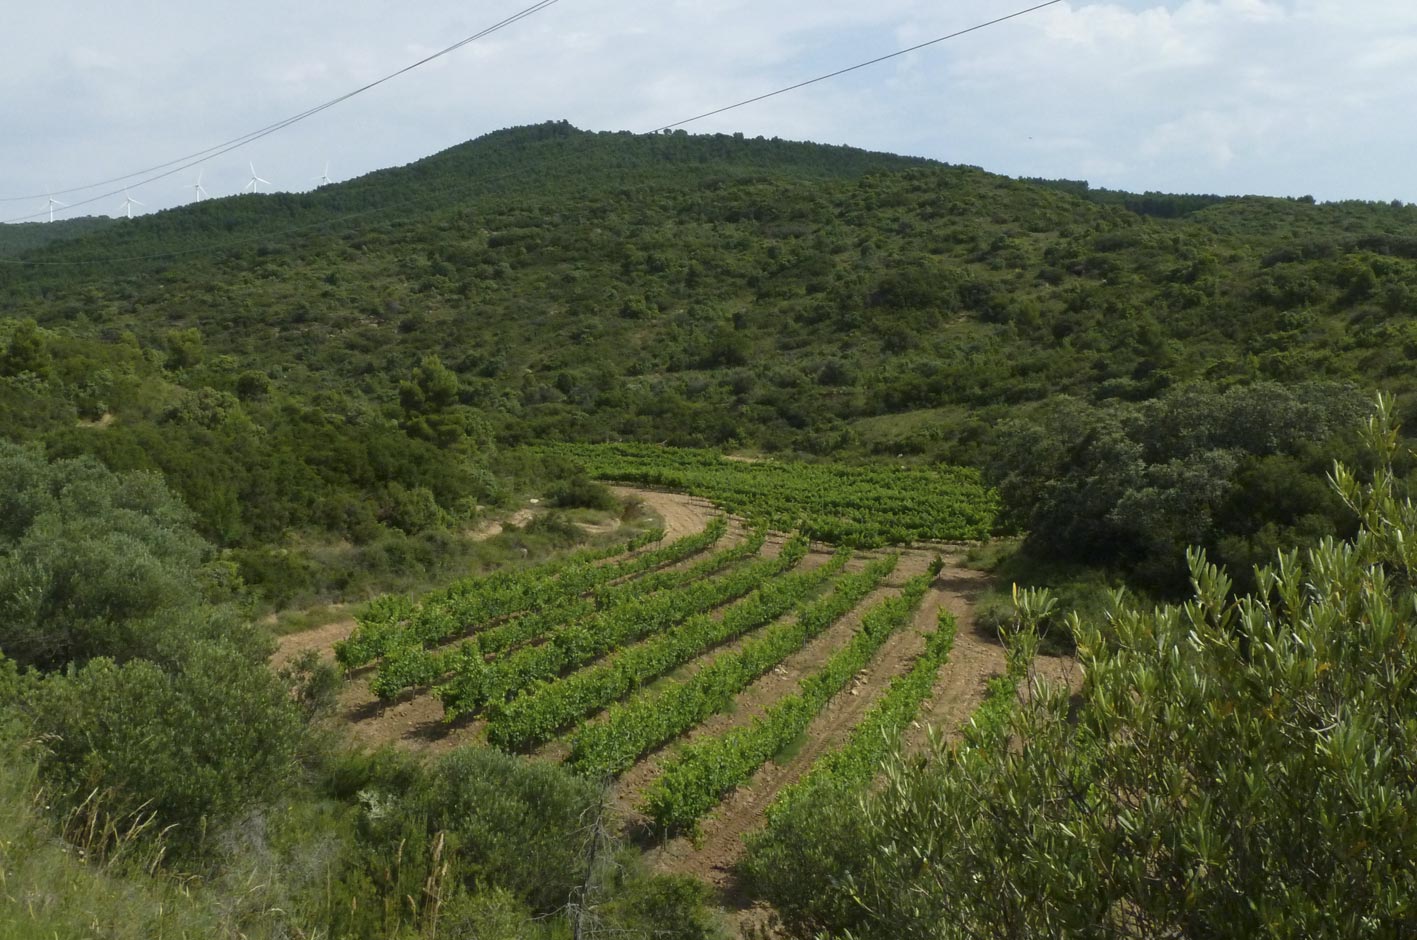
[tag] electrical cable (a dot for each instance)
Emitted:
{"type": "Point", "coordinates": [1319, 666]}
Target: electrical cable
{"type": "Point", "coordinates": [853, 68]}
{"type": "Point", "coordinates": [661, 128]}
{"type": "Point", "coordinates": [202, 156]}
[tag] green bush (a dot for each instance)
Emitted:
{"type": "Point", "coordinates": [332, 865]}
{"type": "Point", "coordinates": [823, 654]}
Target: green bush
{"type": "Point", "coordinates": [195, 746]}
{"type": "Point", "coordinates": [94, 563]}
{"type": "Point", "coordinates": [1232, 768]}
{"type": "Point", "coordinates": [581, 492]}
{"type": "Point", "coordinates": [512, 823]}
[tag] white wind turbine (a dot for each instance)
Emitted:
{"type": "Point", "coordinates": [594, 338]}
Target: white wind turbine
{"type": "Point", "coordinates": [129, 202]}
{"type": "Point", "coordinates": [199, 191]}
{"type": "Point", "coordinates": [52, 203]}
{"type": "Point", "coordinates": [254, 184]}
{"type": "Point", "coordinates": [324, 178]}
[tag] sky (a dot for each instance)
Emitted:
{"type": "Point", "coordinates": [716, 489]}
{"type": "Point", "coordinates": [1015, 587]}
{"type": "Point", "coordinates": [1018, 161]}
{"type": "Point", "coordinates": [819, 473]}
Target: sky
{"type": "Point", "coordinates": [1275, 97]}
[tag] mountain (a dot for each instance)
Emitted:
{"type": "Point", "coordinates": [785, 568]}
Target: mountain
{"type": "Point", "coordinates": [714, 289]}
{"type": "Point", "coordinates": [697, 290]}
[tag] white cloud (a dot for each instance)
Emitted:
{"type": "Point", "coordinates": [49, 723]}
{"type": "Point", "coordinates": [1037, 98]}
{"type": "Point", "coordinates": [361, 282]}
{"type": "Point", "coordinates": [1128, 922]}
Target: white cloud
{"type": "Point", "coordinates": [1213, 95]}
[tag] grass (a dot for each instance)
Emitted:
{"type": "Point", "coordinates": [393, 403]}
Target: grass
{"type": "Point", "coordinates": [99, 883]}
{"type": "Point", "coordinates": [1077, 588]}
{"type": "Point", "coordinates": [301, 620]}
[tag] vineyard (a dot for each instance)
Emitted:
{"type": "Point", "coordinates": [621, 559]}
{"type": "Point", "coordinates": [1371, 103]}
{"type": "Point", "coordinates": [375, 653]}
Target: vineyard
{"type": "Point", "coordinates": [693, 673]}
{"type": "Point", "coordinates": [865, 506]}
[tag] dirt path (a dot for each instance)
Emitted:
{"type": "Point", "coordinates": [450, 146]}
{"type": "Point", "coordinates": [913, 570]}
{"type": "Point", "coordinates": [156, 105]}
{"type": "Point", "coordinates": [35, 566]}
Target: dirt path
{"type": "Point", "coordinates": [975, 658]}
{"type": "Point", "coordinates": [497, 526]}
{"type": "Point", "coordinates": [321, 639]}
{"type": "Point", "coordinates": [682, 514]}
{"type": "Point", "coordinates": [416, 721]}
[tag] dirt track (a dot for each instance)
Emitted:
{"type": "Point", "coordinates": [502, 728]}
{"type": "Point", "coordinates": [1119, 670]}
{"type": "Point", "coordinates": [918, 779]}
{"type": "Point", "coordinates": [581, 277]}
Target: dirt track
{"type": "Point", "coordinates": [417, 721]}
{"type": "Point", "coordinates": [682, 514]}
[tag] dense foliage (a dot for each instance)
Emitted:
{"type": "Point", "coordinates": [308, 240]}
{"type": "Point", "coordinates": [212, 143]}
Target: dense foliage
{"type": "Point", "coordinates": [1238, 472]}
{"type": "Point", "coordinates": [1235, 767]}
{"type": "Point", "coordinates": [154, 698]}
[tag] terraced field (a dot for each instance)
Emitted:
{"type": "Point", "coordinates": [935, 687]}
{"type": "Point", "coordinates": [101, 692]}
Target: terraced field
{"type": "Point", "coordinates": [702, 673]}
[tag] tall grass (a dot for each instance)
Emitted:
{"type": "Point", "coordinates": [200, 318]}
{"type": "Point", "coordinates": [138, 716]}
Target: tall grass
{"type": "Point", "coordinates": [87, 875]}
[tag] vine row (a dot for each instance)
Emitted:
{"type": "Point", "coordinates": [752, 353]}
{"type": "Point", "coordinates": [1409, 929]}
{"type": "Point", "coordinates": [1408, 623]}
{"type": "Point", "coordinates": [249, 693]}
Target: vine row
{"type": "Point", "coordinates": [700, 774]}
{"type": "Point", "coordinates": [633, 729]}
{"type": "Point", "coordinates": [547, 708]}
{"type": "Point", "coordinates": [477, 682]}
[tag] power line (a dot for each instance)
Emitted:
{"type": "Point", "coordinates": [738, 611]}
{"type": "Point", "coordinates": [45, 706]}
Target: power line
{"type": "Point", "coordinates": [202, 156]}
{"type": "Point", "coordinates": [518, 172]}
{"type": "Point", "coordinates": [248, 239]}
{"type": "Point", "coordinates": [853, 68]}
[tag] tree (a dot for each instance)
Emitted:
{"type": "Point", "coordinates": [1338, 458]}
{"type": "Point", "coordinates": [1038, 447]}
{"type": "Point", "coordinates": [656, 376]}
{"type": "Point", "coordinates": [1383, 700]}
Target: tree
{"type": "Point", "coordinates": [1234, 767]}
{"type": "Point", "coordinates": [1131, 486]}
{"type": "Point", "coordinates": [94, 563]}
{"type": "Point", "coordinates": [26, 352]}
{"type": "Point", "coordinates": [431, 409]}
{"type": "Point", "coordinates": [184, 348]}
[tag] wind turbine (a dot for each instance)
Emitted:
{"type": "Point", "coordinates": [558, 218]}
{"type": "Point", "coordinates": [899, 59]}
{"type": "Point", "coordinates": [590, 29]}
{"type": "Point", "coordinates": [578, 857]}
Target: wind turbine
{"type": "Point", "coordinates": [254, 184]}
{"type": "Point", "coordinates": [199, 191]}
{"type": "Point", "coordinates": [324, 178]}
{"type": "Point", "coordinates": [52, 203]}
{"type": "Point", "coordinates": [129, 202]}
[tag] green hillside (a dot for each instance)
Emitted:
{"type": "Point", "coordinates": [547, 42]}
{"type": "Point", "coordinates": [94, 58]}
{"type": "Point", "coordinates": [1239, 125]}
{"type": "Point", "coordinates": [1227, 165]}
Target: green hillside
{"type": "Point", "coordinates": [714, 290]}
{"type": "Point", "coordinates": [259, 403]}
{"type": "Point", "coordinates": [20, 238]}
{"type": "Point", "coordinates": [705, 291]}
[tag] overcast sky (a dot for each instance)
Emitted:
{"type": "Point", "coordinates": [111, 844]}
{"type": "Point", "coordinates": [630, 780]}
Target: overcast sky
{"type": "Point", "coordinates": [1280, 97]}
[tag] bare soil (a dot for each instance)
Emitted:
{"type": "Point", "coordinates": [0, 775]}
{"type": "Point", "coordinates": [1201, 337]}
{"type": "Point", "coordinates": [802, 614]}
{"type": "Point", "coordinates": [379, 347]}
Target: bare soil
{"type": "Point", "coordinates": [496, 527]}
{"type": "Point", "coordinates": [416, 720]}
{"type": "Point", "coordinates": [682, 514]}
{"type": "Point", "coordinates": [321, 639]}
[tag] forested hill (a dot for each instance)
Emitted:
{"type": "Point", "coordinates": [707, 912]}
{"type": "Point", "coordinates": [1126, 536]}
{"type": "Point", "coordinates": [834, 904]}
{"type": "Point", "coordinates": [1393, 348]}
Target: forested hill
{"type": "Point", "coordinates": [546, 161]}
{"type": "Point", "coordinates": [755, 290]}
{"type": "Point", "coordinates": [546, 283]}
{"type": "Point", "coordinates": [20, 238]}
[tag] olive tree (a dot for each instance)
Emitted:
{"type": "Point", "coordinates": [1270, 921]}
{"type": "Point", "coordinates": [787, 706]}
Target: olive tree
{"type": "Point", "coordinates": [1231, 767]}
